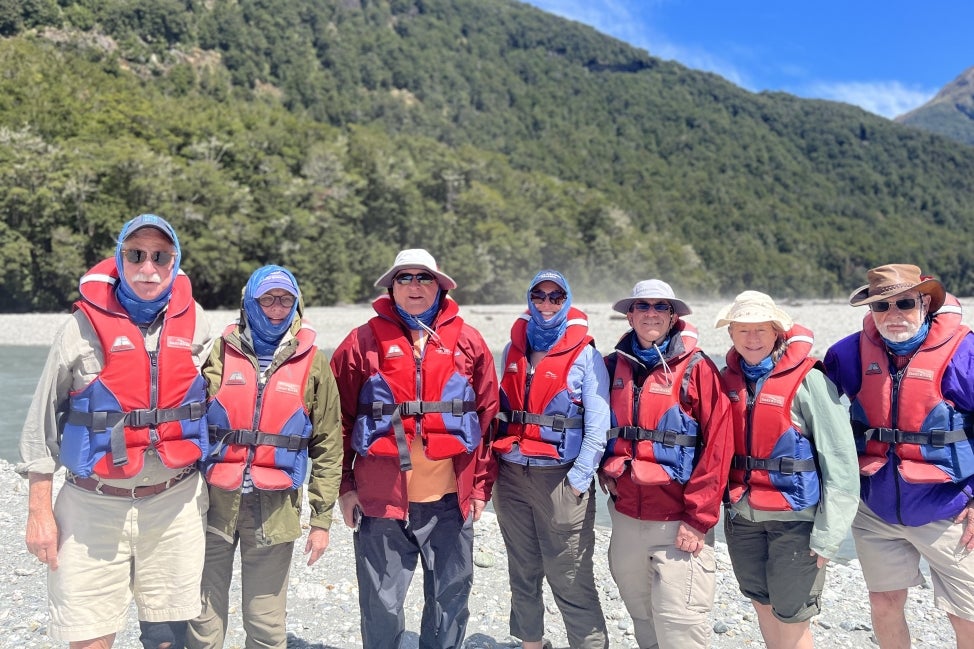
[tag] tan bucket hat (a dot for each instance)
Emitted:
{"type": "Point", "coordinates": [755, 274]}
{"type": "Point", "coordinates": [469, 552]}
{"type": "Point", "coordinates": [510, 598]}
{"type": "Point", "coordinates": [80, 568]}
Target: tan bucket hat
{"type": "Point", "coordinates": [415, 258]}
{"type": "Point", "coordinates": [753, 306]}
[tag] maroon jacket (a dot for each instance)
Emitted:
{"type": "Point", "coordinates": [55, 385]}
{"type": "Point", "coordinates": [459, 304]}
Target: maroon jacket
{"type": "Point", "coordinates": [381, 486]}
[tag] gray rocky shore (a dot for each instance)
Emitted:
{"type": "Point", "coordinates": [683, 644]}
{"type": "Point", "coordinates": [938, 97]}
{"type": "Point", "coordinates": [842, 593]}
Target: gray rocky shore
{"type": "Point", "coordinates": [323, 603]}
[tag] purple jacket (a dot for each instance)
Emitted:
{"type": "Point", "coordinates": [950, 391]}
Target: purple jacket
{"type": "Point", "coordinates": [885, 492]}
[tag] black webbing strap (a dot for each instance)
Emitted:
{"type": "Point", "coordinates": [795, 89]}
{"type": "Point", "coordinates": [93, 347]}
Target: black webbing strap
{"type": "Point", "coordinates": [117, 421]}
{"type": "Point", "coordinates": [638, 434]}
{"type": "Point", "coordinates": [246, 437]}
{"type": "Point", "coordinates": [782, 465]}
{"type": "Point", "coordinates": [557, 423]}
{"type": "Point", "coordinates": [935, 438]}
{"type": "Point", "coordinates": [456, 407]}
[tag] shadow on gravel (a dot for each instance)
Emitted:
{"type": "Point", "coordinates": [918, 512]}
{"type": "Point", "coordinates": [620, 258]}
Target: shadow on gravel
{"type": "Point", "coordinates": [410, 640]}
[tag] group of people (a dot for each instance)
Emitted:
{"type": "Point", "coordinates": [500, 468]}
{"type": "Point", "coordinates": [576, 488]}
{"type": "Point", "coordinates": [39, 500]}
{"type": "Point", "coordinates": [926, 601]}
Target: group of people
{"type": "Point", "coordinates": [179, 449]}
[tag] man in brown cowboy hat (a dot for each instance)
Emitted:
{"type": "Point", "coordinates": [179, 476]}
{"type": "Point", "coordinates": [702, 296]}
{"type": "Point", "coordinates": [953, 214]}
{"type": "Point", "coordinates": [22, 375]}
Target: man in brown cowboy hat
{"type": "Point", "coordinates": [908, 375]}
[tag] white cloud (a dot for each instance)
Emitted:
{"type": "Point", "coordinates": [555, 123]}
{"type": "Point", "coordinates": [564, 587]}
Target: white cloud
{"type": "Point", "coordinates": [886, 98]}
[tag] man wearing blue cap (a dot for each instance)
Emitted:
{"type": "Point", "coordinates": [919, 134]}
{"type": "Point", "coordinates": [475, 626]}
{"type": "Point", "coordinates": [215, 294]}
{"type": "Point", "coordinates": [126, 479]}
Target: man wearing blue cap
{"type": "Point", "coordinates": [121, 406]}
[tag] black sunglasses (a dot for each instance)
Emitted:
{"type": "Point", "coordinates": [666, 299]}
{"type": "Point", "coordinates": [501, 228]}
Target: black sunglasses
{"type": "Point", "coordinates": [267, 300]}
{"type": "Point", "coordinates": [903, 304]}
{"type": "Point", "coordinates": [555, 297]}
{"type": "Point", "coordinates": [425, 279]}
{"type": "Point", "coordinates": [157, 257]}
{"type": "Point", "coordinates": [646, 306]}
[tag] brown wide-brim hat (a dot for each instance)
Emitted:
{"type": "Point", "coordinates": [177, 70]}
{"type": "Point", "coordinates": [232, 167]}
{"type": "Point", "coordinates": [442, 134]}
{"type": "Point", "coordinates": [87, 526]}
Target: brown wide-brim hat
{"type": "Point", "coordinates": [892, 279]}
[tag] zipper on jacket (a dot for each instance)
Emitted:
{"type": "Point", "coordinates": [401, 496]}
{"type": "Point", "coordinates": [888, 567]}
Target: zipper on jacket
{"type": "Point", "coordinates": [752, 397]}
{"type": "Point", "coordinates": [153, 393]}
{"type": "Point", "coordinates": [894, 421]}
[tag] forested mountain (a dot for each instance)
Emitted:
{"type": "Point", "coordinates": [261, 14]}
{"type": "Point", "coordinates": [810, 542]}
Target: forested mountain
{"type": "Point", "coordinates": [327, 134]}
{"type": "Point", "coordinates": [950, 112]}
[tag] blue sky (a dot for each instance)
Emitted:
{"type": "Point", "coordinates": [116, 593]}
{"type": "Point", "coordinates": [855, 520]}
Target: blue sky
{"type": "Point", "coordinates": [887, 57]}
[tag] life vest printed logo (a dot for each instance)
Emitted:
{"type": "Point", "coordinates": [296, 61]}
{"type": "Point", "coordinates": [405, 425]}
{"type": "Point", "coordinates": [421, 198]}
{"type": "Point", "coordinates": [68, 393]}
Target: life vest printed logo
{"type": "Point", "coordinates": [178, 342]}
{"type": "Point", "coordinates": [659, 388]}
{"type": "Point", "coordinates": [918, 373]}
{"type": "Point", "coordinates": [874, 368]}
{"type": "Point", "coordinates": [122, 344]}
{"type": "Point", "coordinates": [733, 396]}
{"type": "Point", "coordinates": [772, 399]}
{"type": "Point", "coordinates": [617, 384]}
{"type": "Point", "coordinates": [511, 367]}
{"type": "Point", "coordinates": [287, 388]}
{"type": "Point", "coordinates": [444, 350]}
{"type": "Point", "coordinates": [394, 351]}
{"type": "Point", "coordinates": [550, 375]}
{"type": "Point", "coordinates": [237, 378]}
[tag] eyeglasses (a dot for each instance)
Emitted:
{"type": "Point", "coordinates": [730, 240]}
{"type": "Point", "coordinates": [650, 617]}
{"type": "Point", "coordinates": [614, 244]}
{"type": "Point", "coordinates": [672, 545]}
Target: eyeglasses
{"type": "Point", "coordinates": [555, 297]}
{"type": "Point", "coordinates": [903, 304]}
{"type": "Point", "coordinates": [157, 257]}
{"type": "Point", "coordinates": [646, 306]}
{"type": "Point", "coordinates": [267, 300]}
{"type": "Point", "coordinates": [425, 279]}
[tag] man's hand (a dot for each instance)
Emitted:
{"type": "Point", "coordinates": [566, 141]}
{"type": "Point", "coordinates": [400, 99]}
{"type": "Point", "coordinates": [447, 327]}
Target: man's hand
{"type": "Point", "coordinates": [317, 544]}
{"type": "Point", "coordinates": [689, 539]}
{"type": "Point", "coordinates": [477, 507]}
{"type": "Point", "coordinates": [966, 516]}
{"type": "Point", "coordinates": [42, 532]}
{"type": "Point", "coordinates": [349, 503]}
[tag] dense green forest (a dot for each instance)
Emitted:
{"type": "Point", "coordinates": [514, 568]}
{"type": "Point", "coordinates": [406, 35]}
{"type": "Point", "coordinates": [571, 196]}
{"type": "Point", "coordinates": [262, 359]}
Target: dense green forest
{"type": "Point", "coordinates": [327, 134]}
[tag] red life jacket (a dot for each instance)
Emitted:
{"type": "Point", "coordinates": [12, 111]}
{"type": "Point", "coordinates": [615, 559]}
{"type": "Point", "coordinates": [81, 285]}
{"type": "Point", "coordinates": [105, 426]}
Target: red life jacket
{"type": "Point", "coordinates": [907, 411]}
{"type": "Point", "coordinates": [654, 437]}
{"type": "Point", "coordinates": [140, 399]}
{"type": "Point", "coordinates": [406, 397]}
{"type": "Point", "coordinates": [263, 426]}
{"type": "Point", "coordinates": [537, 411]}
{"type": "Point", "coordinates": [774, 464]}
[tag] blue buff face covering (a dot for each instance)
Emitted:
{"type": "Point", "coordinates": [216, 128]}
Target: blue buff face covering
{"type": "Point", "coordinates": [543, 334]}
{"type": "Point", "coordinates": [143, 311]}
{"type": "Point", "coordinates": [909, 346]}
{"type": "Point", "coordinates": [651, 356]}
{"type": "Point", "coordinates": [426, 317]}
{"type": "Point", "coordinates": [265, 335]}
{"type": "Point", "coordinates": [758, 371]}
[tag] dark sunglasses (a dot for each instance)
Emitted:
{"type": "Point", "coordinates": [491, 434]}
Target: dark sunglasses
{"type": "Point", "coordinates": [158, 257]}
{"type": "Point", "coordinates": [555, 297]}
{"type": "Point", "coordinates": [425, 279]}
{"type": "Point", "coordinates": [267, 300]}
{"type": "Point", "coordinates": [646, 306]}
{"type": "Point", "coordinates": [903, 304]}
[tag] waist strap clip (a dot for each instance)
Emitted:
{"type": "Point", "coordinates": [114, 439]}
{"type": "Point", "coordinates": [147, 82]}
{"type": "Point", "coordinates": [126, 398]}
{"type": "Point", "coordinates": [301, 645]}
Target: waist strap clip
{"type": "Point", "coordinates": [411, 408]}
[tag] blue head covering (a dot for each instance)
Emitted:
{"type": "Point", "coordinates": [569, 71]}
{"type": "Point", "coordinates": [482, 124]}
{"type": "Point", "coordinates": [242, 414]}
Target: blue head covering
{"type": "Point", "coordinates": [144, 311]}
{"type": "Point", "coordinates": [543, 334]}
{"type": "Point", "coordinates": [264, 335]}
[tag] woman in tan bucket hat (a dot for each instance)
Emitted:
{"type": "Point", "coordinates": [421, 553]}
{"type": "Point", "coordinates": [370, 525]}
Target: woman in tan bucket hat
{"type": "Point", "coordinates": [793, 486]}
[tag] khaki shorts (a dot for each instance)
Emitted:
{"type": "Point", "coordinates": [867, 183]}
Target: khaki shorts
{"type": "Point", "coordinates": [114, 550]}
{"type": "Point", "coordinates": [890, 559]}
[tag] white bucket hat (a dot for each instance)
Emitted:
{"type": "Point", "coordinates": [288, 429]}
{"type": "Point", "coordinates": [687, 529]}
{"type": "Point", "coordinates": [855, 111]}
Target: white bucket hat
{"type": "Point", "coordinates": [753, 306]}
{"type": "Point", "coordinates": [652, 289]}
{"type": "Point", "coordinates": [415, 258]}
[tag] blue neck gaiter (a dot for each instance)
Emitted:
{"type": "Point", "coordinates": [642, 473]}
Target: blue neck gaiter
{"type": "Point", "coordinates": [754, 373]}
{"type": "Point", "coordinates": [651, 356]}
{"type": "Point", "coordinates": [543, 334]}
{"type": "Point", "coordinates": [426, 317]}
{"type": "Point", "coordinates": [909, 346]}
{"type": "Point", "coordinates": [142, 311]}
{"type": "Point", "coordinates": [264, 335]}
